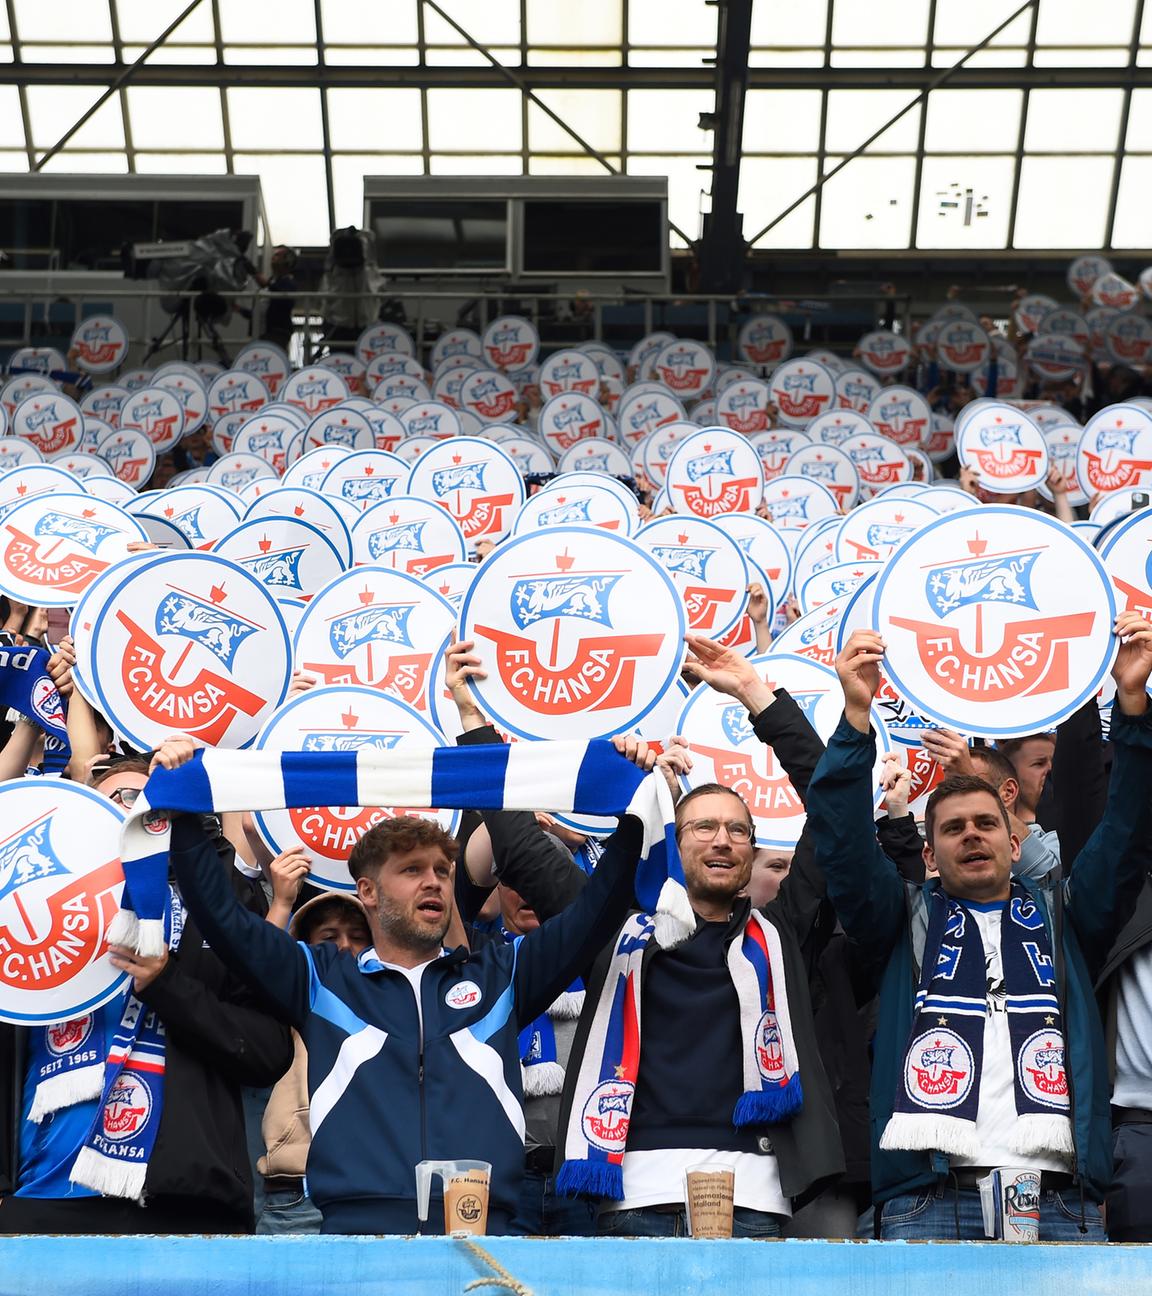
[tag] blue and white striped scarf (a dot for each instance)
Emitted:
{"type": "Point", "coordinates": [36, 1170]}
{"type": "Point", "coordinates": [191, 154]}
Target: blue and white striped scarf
{"type": "Point", "coordinates": [566, 777]}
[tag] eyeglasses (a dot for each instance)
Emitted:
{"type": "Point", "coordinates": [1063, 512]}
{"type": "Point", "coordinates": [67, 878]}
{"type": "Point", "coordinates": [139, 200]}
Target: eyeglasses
{"type": "Point", "coordinates": [706, 830]}
{"type": "Point", "coordinates": [125, 796]}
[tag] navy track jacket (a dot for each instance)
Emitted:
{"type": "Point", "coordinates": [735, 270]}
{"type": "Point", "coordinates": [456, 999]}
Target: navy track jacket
{"type": "Point", "coordinates": [388, 1090]}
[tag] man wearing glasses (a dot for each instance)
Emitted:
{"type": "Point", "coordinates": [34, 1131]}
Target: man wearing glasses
{"type": "Point", "coordinates": [722, 1032]}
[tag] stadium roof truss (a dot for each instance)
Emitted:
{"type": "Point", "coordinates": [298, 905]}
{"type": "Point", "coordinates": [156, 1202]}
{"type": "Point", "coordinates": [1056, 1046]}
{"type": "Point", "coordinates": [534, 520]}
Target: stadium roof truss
{"type": "Point", "coordinates": [897, 124]}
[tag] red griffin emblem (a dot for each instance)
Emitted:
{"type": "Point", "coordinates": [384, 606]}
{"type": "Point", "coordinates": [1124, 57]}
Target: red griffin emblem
{"type": "Point", "coordinates": [734, 497]}
{"type": "Point", "coordinates": [66, 1037]}
{"type": "Point", "coordinates": [53, 438]}
{"type": "Point", "coordinates": [937, 1078]}
{"type": "Point", "coordinates": [372, 629]}
{"type": "Point", "coordinates": [128, 1107]}
{"type": "Point", "coordinates": [485, 516]}
{"type": "Point", "coordinates": [601, 669]}
{"type": "Point", "coordinates": [100, 353]}
{"type": "Point", "coordinates": [926, 773]}
{"type": "Point", "coordinates": [965, 353]}
{"type": "Point", "coordinates": [513, 355]}
{"type": "Point", "coordinates": [334, 830]}
{"type": "Point", "coordinates": [44, 945]}
{"type": "Point", "coordinates": [69, 574]}
{"type": "Point", "coordinates": [769, 795]}
{"type": "Point", "coordinates": [754, 421]}
{"type": "Point", "coordinates": [765, 352]}
{"type": "Point", "coordinates": [1032, 656]}
{"type": "Point", "coordinates": [203, 707]}
{"type": "Point", "coordinates": [1125, 473]}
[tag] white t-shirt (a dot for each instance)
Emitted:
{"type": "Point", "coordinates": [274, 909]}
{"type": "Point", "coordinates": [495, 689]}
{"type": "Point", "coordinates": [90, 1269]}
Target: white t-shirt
{"type": "Point", "coordinates": [657, 1178]}
{"type": "Point", "coordinates": [996, 1117]}
{"type": "Point", "coordinates": [1133, 1086]}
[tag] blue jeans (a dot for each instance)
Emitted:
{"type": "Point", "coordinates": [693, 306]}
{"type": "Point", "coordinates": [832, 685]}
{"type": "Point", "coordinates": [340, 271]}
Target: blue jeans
{"type": "Point", "coordinates": [541, 1213]}
{"type": "Point", "coordinates": [648, 1222]}
{"type": "Point", "coordinates": [289, 1212]}
{"type": "Point", "coordinates": [933, 1215]}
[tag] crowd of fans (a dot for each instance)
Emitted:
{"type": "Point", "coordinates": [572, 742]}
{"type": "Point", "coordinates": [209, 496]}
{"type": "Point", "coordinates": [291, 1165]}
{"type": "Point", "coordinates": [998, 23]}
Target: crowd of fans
{"type": "Point", "coordinates": [313, 1053]}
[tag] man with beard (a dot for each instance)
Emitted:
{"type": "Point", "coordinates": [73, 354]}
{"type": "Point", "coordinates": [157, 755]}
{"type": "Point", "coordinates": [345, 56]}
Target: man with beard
{"type": "Point", "coordinates": [412, 1048]}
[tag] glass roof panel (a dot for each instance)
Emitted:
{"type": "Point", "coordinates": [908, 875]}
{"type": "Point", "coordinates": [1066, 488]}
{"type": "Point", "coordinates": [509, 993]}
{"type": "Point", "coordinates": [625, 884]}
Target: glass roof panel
{"type": "Point", "coordinates": [965, 202]}
{"type": "Point", "coordinates": [767, 187]}
{"type": "Point", "coordinates": [782, 121]}
{"type": "Point", "coordinates": [868, 204]}
{"type": "Point", "coordinates": [1063, 202]}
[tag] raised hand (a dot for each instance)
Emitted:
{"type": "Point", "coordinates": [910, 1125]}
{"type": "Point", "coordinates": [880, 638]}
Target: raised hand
{"type": "Point", "coordinates": [858, 666]}
{"type": "Point", "coordinates": [461, 665]}
{"type": "Point", "coordinates": [726, 671]}
{"type": "Point", "coordinates": [949, 750]}
{"type": "Point", "coordinates": [1133, 663]}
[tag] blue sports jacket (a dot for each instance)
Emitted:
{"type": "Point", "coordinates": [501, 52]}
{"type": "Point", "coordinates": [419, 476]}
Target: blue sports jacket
{"type": "Point", "coordinates": [887, 918]}
{"type": "Point", "coordinates": [388, 1090]}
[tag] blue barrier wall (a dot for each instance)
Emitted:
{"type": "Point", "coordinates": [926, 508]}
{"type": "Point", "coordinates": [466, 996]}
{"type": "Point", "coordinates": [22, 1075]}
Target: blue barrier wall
{"type": "Point", "coordinates": [67, 1266]}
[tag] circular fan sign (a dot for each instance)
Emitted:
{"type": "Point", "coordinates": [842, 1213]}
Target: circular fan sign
{"type": "Point", "coordinates": [875, 530]}
{"type": "Point", "coordinates": [267, 362]}
{"type": "Point", "coordinates": [997, 621]}
{"type": "Point", "coordinates": [314, 390]}
{"type": "Point", "coordinates": [365, 478]}
{"type": "Point", "coordinates": [489, 395]}
{"type": "Point", "coordinates": [158, 413]}
{"type": "Point", "coordinates": [475, 481]}
{"type": "Point", "coordinates": [715, 471]}
{"type": "Point", "coordinates": [100, 344]}
{"type": "Point", "coordinates": [54, 546]}
{"type": "Point", "coordinates": [707, 566]}
{"type": "Point", "coordinates": [764, 340]}
{"type": "Point", "coordinates": [743, 406]}
{"type": "Point", "coordinates": [340, 718]}
{"type": "Point", "coordinates": [1115, 450]}
{"type": "Point", "coordinates": [580, 631]}
{"type": "Point", "coordinates": [884, 352]}
{"type": "Point", "coordinates": [643, 408]}
{"type": "Point", "coordinates": [292, 558]}
{"type": "Point", "coordinates": [831, 467]}
{"type": "Point", "coordinates": [795, 503]}
{"type": "Point", "coordinates": [802, 389]}
{"type": "Point", "coordinates": [962, 346]}
{"type": "Point", "coordinates": [1004, 447]}
{"type": "Point", "coordinates": [597, 454]}
{"type": "Point", "coordinates": [569, 371]}
{"type": "Point", "coordinates": [902, 415]}
{"type": "Point", "coordinates": [856, 389]}
{"type": "Point", "coordinates": [189, 643]}
{"type": "Point", "coordinates": [510, 342]}
{"type": "Point", "coordinates": [50, 421]}
{"type": "Point", "coordinates": [570, 501]}
{"type": "Point", "coordinates": [378, 628]}
{"type": "Point", "coordinates": [236, 392]}
{"type": "Point", "coordinates": [686, 368]}
{"type": "Point", "coordinates": [569, 418]}
{"type": "Point", "coordinates": [60, 882]}
{"type": "Point", "coordinates": [409, 534]}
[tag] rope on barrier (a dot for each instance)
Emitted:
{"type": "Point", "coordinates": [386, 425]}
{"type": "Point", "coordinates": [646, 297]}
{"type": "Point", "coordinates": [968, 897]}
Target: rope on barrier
{"type": "Point", "coordinates": [500, 1278]}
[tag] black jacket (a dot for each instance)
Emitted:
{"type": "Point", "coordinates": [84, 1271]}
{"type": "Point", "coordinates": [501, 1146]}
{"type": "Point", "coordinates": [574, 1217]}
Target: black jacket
{"type": "Point", "coordinates": [219, 1037]}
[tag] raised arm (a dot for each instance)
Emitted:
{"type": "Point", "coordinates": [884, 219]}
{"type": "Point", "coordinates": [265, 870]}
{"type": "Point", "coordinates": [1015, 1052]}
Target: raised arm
{"type": "Point", "coordinates": [863, 883]}
{"type": "Point", "coordinates": [258, 952]}
{"type": "Point", "coordinates": [523, 855]}
{"type": "Point", "coordinates": [1109, 871]}
{"type": "Point", "coordinates": [551, 957]}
